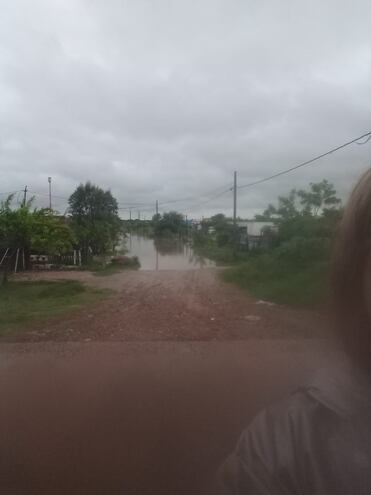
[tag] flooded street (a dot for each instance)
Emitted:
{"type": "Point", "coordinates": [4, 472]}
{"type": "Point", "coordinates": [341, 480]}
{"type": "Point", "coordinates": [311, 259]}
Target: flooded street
{"type": "Point", "coordinates": [165, 254]}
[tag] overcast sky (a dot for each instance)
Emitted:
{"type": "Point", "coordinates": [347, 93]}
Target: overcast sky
{"type": "Point", "coordinates": [164, 99]}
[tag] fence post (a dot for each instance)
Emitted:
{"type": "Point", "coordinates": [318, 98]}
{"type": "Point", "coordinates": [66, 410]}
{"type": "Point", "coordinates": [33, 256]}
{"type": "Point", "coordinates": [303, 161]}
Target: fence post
{"type": "Point", "coordinates": [79, 257]}
{"type": "Point", "coordinates": [3, 258]}
{"type": "Point", "coordinates": [16, 261]}
{"type": "Point", "coordinates": [74, 257]}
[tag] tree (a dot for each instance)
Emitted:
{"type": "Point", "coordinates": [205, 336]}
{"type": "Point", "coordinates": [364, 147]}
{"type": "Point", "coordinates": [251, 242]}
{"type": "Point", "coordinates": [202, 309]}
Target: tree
{"type": "Point", "coordinates": [321, 195]}
{"type": "Point", "coordinates": [169, 224]}
{"type": "Point", "coordinates": [306, 221]}
{"type": "Point", "coordinates": [50, 233]}
{"type": "Point", "coordinates": [94, 218]}
{"type": "Point", "coordinates": [286, 208]}
{"type": "Point", "coordinates": [224, 230]}
{"type": "Point", "coordinates": [33, 230]}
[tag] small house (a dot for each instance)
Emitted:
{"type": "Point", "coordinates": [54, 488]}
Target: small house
{"type": "Point", "coordinates": [255, 234]}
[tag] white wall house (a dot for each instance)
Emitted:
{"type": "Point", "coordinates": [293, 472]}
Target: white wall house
{"type": "Point", "coordinates": [251, 232]}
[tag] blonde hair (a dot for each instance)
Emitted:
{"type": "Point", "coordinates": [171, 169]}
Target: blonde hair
{"type": "Point", "coordinates": [350, 259]}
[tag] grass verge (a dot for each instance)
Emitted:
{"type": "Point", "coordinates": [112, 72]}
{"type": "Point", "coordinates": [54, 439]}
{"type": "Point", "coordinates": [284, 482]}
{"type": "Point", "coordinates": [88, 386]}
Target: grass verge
{"type": "Point", "coordinates": [117, 265]}
{"type": "Point", "coordinates": [22, 303]}
{"type": "Point", "coordinates": [282, 283]}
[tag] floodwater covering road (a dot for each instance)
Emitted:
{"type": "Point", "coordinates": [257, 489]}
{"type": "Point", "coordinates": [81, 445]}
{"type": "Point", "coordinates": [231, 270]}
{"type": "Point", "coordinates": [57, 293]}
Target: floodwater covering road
{"type": "Point", "coordinates": [146, 393]}
{"type": "Point", "coordinates": [164, 254]}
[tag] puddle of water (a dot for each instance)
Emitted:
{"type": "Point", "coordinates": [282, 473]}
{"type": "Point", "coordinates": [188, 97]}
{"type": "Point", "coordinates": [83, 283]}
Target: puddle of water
{"type": "Point", "coordinates": [165, 254]}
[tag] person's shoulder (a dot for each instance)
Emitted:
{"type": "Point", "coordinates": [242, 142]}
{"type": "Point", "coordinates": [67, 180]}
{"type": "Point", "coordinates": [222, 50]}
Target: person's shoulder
{"type": "Point", "coordinates": [264, 460]}
{"type": "Point", "coordinates": [266, 456]}
{"type": "Point", "coordinates": [274, 431]}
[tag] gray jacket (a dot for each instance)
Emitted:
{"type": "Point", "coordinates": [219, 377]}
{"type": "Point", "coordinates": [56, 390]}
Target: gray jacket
{"type": "Point", "coordinates": [316, 442]}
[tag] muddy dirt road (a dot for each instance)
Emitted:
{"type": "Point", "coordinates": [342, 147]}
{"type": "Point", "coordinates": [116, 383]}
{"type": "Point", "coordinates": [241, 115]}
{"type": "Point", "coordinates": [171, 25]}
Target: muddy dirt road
{"type": "Point", "coordinates": [147, 392]}
{"type": "Point", "coordinates": [173, 305]}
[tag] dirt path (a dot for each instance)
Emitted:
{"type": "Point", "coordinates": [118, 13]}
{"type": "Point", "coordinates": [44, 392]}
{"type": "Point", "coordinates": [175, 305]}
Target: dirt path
{"type": "Point", "coordinates": [172, 305]}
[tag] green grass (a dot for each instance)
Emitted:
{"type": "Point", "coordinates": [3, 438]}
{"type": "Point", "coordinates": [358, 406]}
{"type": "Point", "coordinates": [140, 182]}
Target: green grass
{"type": "Point", "coordinates": [22, 303]}
{"type": "Point", "coordinates": [107, 270]}
{"type": "Point", "coordinates": [221, 255]}
{"type": "Point", "coordinates": [112, 268]}
{"type": "Point", "coordinates": [281, 282]}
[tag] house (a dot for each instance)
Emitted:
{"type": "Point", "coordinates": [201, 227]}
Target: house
{"type": "Point", "coordinates": [254, 234]}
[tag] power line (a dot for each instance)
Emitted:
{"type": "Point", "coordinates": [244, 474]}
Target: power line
{"type": "Point", "coordinates": [308, 162]}
{"type": "Point", "coordinates": [191, 198]}
{"type": "Point", "coordinates": [209, 200]}
{"type": "Point", "coordinates": [364, 142]}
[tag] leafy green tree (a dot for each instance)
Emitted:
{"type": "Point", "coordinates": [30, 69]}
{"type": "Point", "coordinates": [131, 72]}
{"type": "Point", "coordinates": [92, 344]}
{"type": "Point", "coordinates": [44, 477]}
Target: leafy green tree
{"type": "Point", "coordinates": [169, 224]}
{"type": "Point", "coordinates": [94, 218]}
{"type": "Point", "coordinates": [224, 230]}
{"type": "Point", "coordinates": [306, 221]}
{"type": "Point", "coordinates": [321, 195]}
{"type": "Point", "coordinates": [33, 229]}
{"type": "Point", "coordinates": [286, 208]}
{"type": "Point", "coordinates": [51, 234]}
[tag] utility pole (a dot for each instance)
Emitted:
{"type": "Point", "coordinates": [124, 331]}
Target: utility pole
{"type": "Point", "coordinates": [235, 208]}
{"type": "Point", "coordinates": [50, 192]}
{"type": "Point", "coordinates": [24, 196]}
{"type": "Point", "coordinates": [156, 207]}
{"type": "Point", "coordinates": [235, 199]}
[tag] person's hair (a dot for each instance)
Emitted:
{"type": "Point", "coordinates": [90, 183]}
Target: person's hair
{"type": "Point", "coordinates": [349, 268]}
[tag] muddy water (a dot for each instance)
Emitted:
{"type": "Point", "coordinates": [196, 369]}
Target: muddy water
{"type": "Point", "coordinates": [165, 254]}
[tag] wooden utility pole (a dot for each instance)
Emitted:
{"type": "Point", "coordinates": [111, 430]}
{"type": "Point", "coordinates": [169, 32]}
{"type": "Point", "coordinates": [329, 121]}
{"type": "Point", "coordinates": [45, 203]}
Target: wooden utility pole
{"type": "Point", "coordinates": [235, 209]}
{"type": "Point", "coordinates": [235, 199]}
{"type": "Point", "coordinates": [24, 196]}
{"type": "Point", "coordinates": [50, 192]}
{"type": "Point", "coordinates": [156, 207]}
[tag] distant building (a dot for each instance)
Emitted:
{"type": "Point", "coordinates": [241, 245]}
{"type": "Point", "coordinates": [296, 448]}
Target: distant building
{"type": "Point", "coordinates": [254, 234]}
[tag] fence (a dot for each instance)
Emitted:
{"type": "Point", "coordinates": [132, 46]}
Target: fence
{"type": "Point", "coordinates": [47, 262]}
{"type": "Point", "coordinates": [15, 260]}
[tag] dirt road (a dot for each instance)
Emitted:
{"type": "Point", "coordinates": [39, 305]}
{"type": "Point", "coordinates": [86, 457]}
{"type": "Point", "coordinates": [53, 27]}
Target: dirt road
{"type": "Point", "coordinates": [173, 305]}
{"type": "Point", "coordinates": [147, 392]}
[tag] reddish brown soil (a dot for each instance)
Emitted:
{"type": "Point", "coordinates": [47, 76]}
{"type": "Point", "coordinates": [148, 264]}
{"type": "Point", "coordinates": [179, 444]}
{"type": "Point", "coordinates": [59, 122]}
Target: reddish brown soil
{"type": "Point", "coordinates": [173, 305]}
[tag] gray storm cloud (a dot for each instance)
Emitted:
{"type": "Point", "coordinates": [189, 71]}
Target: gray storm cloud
{"type": "Point", "coordinates": [163, 100]}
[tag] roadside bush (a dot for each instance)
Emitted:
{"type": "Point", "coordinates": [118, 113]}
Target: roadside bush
{"type": "Point", "coordinates": [125, 261]}
{"type": "Point", "coordinates": [280, 281]}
